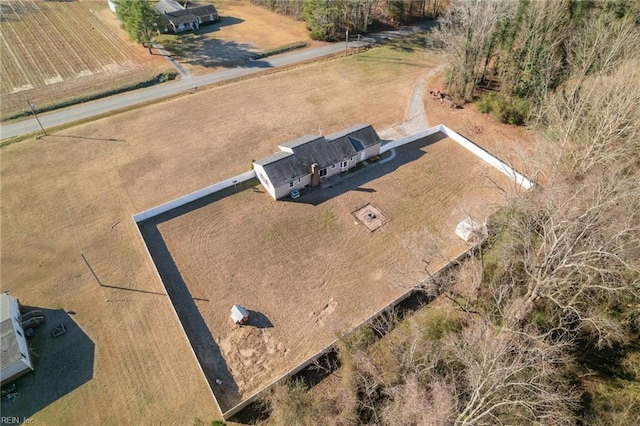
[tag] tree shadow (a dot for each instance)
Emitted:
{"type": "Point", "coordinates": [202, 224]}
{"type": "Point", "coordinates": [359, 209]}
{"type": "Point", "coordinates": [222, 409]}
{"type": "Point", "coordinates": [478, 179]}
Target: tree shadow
{"type": "Point", "coordinates": [209, 52]}
{"type": "Point", "coordinates": [62, 364]}
{"type": "Point", "coordinates": [225, 21]}
{"type": "Point", "coordinates": [208, 353]}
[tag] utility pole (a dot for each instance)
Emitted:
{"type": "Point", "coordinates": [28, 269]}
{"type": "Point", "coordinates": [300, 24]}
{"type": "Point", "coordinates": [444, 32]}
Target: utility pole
{"type": "Point", "coordinates": [33, 110]}
{"type": "Point", "coordinates": [346, 43]}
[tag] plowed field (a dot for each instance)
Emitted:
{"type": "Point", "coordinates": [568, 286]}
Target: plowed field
{"type": "Point", "coordinates": [57, 50]}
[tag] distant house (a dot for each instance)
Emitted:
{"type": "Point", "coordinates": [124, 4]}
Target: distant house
{"type": "Point", "coordinates": [175, 18]}
{"type": "Point", "coordinates": [14, 356]}
{"type": "Point", "coordinates": [309, 160]}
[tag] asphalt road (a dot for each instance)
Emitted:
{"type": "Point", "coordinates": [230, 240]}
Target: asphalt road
{"type": "Point", "coordinates": [125, 100]}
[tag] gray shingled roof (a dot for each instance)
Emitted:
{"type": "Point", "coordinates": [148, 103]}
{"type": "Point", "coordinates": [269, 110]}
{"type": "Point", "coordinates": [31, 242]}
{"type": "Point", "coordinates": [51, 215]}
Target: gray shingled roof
{"type": "Point", "coordinates": [364, 133]}
{"type": "Point", "coordinates": [167, 6]}
{"type": "Point", "coordinates": [284, 167]}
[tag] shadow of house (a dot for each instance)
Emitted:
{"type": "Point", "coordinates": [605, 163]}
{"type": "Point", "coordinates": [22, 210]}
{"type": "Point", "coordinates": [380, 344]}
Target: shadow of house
{"type": "Point", "coordinates": [354, 182]}
{"type": "Point", "coordinates": [62, 364]}
{"type": "Point", "coordinates": [258, 320]}
{"type": "Point", "coordinates": [206, 349]}
{"type": "Point", "coordinates": [224, 21]}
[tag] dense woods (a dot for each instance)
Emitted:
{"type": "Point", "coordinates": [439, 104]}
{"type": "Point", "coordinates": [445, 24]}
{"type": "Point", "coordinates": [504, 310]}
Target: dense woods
{"type": "Point", "coordinates": [544, 321]}
{"type": "Point", "coordinates": [139, 20]}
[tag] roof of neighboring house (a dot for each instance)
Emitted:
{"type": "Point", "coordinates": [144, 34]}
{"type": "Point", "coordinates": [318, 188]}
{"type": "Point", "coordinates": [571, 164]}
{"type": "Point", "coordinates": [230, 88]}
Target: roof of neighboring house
{"type": "Point", "coordinates": [208, 9]}
{"type": "Point", "coordinates": [296, 157]}
{"type": "Point", "coordinates": [177, 18]}
{"type": "Point", "coordinates": [10, 351]}
{"type": "Point", "coordinates": [167, 6]}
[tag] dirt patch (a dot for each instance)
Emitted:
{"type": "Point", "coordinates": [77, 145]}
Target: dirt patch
{"type": "Point", "coordinates": [371, 217]}
{"type": "Point", "coordinates": [252, 354]}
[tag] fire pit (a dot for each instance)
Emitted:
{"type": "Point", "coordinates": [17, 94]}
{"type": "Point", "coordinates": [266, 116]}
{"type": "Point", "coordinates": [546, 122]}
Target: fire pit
{"type": "Point", "coordinates": [370, 216]}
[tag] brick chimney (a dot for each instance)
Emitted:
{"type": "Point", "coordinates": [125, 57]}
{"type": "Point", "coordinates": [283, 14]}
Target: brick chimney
{"type": "Point", "coordinates": [315, 176]}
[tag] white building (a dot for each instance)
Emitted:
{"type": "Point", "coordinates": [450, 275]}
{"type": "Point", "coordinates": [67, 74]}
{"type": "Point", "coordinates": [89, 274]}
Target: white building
{"type": "Point", "coordinates": [14, 356]}
{"type": "Point", "coordinates": [310, 159]}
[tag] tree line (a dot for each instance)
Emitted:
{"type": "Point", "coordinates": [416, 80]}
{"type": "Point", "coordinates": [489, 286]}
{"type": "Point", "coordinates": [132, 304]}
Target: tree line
{"type": "Point", "coordinates": [329, 20]}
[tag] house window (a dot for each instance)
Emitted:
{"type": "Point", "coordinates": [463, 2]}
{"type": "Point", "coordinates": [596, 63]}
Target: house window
{"type": "Point", "coordinates": [19, 334]}
{"type": "Point", "coordinates": [333, 167]}
{"type": "Point", "coordinates": [290, 184]}
{"type": "Point", "coordinates": [344, 164]}
{"type": "Point", "coordinates": [323, 172]}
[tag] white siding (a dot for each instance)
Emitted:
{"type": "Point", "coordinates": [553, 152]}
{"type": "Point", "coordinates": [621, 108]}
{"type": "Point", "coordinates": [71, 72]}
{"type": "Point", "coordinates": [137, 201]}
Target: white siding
{"type": "Point", "coordinates": [264, 180]}
{"type": "Point", "coordinates": [284, 190]}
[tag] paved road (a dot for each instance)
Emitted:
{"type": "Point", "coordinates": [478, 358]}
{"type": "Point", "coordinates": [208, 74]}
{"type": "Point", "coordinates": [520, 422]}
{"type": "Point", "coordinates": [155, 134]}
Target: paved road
{"type": "Point", "coordinates": [136, 97]}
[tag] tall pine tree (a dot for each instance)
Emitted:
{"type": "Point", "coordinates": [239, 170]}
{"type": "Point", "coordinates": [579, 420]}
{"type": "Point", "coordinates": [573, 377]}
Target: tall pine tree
{"type": "Point", "coordinates": [139, 19]}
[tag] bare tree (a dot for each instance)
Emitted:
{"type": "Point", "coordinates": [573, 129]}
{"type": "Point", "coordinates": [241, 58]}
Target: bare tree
{"type": "Point", "coordinates": [579, 251]}
{"type": "Point", "coordinates": [593, 122]}
{"type": "Point", "coordinates": [467, 30]}
{"type": "Point", "coordinates": [508, 377]}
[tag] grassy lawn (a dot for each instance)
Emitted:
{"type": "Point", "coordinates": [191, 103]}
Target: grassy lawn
{"type": "Point", "coordinates": [309, 267]}
{"type": "Point", "coordinates": [74, 192]}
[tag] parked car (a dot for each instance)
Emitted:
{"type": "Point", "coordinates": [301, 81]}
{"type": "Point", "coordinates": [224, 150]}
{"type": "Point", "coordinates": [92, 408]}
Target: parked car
{"type": "Point", "coordinates": [294, 194]}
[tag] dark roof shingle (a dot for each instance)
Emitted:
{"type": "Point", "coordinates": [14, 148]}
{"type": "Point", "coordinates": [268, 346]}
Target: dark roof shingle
{"type": "Point", "coordinates": [297, 156]}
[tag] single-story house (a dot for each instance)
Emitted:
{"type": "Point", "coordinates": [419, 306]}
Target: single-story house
{"type": "Point", "coordinates": [309, 160]}
{"type": "Point", "coordinates": [175, 18]}
{"type": "Point", "coordinates": [15, 359]}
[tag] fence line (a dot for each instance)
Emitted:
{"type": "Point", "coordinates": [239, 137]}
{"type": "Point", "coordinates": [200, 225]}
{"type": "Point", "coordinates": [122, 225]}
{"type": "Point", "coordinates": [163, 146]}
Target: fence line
{"type": "Point", "coordinates": [180, 201]}
{"type": "Point", "coordinates": [488, 157]}
{"type": "Point", "coordinates": [196, 195]}
{"type": "Point", "coordinates": [408, 139]}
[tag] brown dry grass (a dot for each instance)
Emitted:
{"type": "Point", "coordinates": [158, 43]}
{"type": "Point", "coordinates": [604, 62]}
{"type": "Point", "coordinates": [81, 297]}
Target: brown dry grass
{"type": "Point", "coordinates": [52, 51]}
{"type": "Point", "coordinates": [312, 270]}
{"type": "Point", "coordinates": [75, 192]}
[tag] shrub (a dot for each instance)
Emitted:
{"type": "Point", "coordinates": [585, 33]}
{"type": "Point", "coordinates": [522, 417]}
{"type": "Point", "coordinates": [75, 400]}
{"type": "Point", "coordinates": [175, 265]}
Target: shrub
{"type": "Point", "coordinates": [512, 110]}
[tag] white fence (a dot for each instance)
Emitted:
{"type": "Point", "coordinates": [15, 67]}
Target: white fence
{"type": "Point", "coordinates": [486, 156]}
{"type": "Point", "coordinates": [466, 143]}
{"type": "Point", "coordinates": [185, 199]}
{"type": "Point", "coordinates": [178, 202]}
{"type": "Point", "coordinates": [408, 139]}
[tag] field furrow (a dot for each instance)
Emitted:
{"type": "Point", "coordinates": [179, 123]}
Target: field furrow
{"type": "Point", "coordinates": [11, 67]}
{"type": "Point", "coordinates": [53, 50]}
{"type": "Point", "coordinates": [33, 71]}
{"type": "Point", "coordinates": [40, 48]}
{"type": "Point", "coordinates": [66, 27]}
